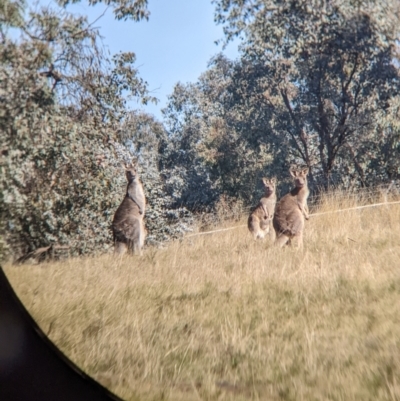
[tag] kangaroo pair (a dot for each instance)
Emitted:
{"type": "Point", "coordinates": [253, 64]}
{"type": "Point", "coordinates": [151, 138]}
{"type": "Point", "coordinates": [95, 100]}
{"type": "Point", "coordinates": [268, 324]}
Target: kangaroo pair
{"type": "Point", "coordinates": [128, 226]}
{"type": "Point", "coordinates": [287, 216]}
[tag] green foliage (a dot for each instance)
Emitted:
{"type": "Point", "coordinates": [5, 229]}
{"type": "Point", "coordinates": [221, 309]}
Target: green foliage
{"type": "Point", "coordinates": [330, 82]}
{"type": "Point", "coordinates": [60, 190]}
{"type": "Point", "coordinates": [62, 109]}
{"type": "Point", "coordinates": [123, 9]}
{"type": "Point", "coordinates": [11, 13]}
{"type": "Point", "coordinates": [215, 145]}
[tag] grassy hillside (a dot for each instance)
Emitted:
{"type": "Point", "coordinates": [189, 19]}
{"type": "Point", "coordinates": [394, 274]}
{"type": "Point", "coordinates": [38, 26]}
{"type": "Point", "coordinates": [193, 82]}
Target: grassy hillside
{"type": "Point", "coordinates": [221, 317]}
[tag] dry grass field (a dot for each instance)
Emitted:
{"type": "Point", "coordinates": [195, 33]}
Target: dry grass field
{"type": "Point", "coordinates": [221, 317]}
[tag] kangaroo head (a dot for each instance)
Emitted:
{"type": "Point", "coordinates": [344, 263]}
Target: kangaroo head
{"type": "Point", "coordinates": [300, 177]}
{"type": "Point", "coordinates": [269, 185]}
{"type": "Point", "coordinates": [131, 171]}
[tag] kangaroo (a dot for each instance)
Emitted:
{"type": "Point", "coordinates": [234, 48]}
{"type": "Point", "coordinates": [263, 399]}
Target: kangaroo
{"type": "Point", "coordinates": [128, 226]}
{"type": "Point", "coordinates": [291, 211]}
{"type": "Point", "coordinates": [260, 218]}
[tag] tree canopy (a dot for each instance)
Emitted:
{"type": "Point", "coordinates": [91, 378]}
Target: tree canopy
{"type": "Point", "coordinates": [331, 77]}
{"type": "Point", "coordinates": [63, 108]}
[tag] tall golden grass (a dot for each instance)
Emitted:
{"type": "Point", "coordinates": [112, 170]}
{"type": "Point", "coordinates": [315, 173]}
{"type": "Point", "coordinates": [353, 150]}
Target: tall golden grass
{"type": "Point", "coordinates": [222, 317]}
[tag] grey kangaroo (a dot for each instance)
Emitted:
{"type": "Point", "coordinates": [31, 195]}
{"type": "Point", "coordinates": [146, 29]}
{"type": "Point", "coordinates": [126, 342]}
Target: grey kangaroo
{"type": "Point", "coordinates": [291, 211]}
{"type": "Point", "coordinates": [128, 225]}
{"type": "Point", "coordinates": [260, 219]}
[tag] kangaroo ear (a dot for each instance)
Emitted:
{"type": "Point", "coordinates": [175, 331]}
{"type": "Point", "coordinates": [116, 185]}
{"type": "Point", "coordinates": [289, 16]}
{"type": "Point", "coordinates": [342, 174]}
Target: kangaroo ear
{"type": "Point", "coordinates": [265, 181]}
{"type": "Point", "coordinates": [305, 171]}
{"type": "Point", "coordinates": [273, 180]}
{"type": "Point", "coordinates": [294, 170]}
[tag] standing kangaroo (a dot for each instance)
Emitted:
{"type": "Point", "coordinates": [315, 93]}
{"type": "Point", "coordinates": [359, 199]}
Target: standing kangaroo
{"type": "Point", "coordinates": [260, 218]}
{"type": "Point", "coordinates": [291, 211]}
{"type": "Point", "coordinates": [128, 225]}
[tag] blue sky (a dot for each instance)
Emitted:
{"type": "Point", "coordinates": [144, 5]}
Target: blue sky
{"type": "Point", "coordinates": [175, 45]}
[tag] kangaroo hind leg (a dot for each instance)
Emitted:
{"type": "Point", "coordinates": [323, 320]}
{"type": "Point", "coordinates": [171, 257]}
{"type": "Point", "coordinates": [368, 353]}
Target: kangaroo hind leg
{"type": "Point", "coordinates": [120, 248]}
{"type": "Point", "coordinates": [281, 240]}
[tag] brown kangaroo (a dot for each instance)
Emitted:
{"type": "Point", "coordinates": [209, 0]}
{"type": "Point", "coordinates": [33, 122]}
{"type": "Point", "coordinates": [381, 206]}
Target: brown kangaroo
{"type": "Point", "coordinates": [260, 219]}
{"type": "Point", "coordinates": [291, 211]}
{"type": "Point", "coordinates": [128, 225]}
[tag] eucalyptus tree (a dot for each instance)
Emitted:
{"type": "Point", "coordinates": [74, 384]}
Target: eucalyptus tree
{"type": "Point", "coordinates": [331, 80]}
{"type": "Point", "coordinates": [62, 100]}
{"type": "Point", "coordinates": [216, 143]}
